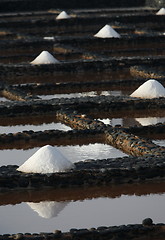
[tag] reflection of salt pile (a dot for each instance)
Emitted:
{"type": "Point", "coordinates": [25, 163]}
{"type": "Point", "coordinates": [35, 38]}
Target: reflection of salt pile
{"type": "Point", "coordinates": [44, 58]}
{"type": "Point", "coordinates": [47, 159]}
{"type": "Point", "coordinates": [48, 209]}
{"type": "Point", "coordinates": [107, 32]}
{"type": "Point", "coordinates": [63, 15]}
{"type": "Point", "coordinates": [149, 89]}
{"type": "Point", "coordinates": [161, 12]}
{"type": "Point", "coordinates": [150, 120]}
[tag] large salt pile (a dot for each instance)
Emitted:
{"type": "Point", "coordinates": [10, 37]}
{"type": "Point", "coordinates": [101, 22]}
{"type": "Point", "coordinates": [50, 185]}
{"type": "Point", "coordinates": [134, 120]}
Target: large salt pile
{"type": "Point", "coordinates": [161, 12]}
{"type": "Point", "coordinates": [107, 32]}
{"type": "Point", "coordinates": [47, 209]}
{"type": "Point", "coordinates": [63, 15]}
{"type": "Point", "coordinates": [47, 159]}
{"type": "Point", "coordinates": [149, 89]}
{"type": "Point", "coordinates": [44, 58]}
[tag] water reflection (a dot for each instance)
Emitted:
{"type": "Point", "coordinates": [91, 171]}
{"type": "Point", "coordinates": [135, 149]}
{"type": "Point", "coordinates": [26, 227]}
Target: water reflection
{"type": "Point", "coordinates": [82, 94]}
{"type": "Point", "coordinates": [129, 122]}
{"type": "Point", "coordinates": [81, 208]}
{"type": "Point", "coordinates": [28, 127]}
{"type": "Point", "coordinates": [159, 142]}
{"type": "Point", "coordinates": [47, 209]}
{"type": "Point", "coordinates": [150, 120]}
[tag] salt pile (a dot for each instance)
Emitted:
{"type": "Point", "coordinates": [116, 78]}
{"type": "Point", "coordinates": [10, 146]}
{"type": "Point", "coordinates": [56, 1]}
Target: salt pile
{"type": "Point", "coordinates": [63, 15]}
{"type": "Point", "coordinates": [161, 12]}
{"type": "Point", "coordinates": [47, 209]}
{"type": "Point", "coordinates": [107, 32]}
{"type": "Point", "coordinates": [150, 120]}
{"type": "Point", "coordinates": [47, 159]}
{"type": "Point", "coordinates": [44, 58]}
{"type": "Point", "coordinates": [149, 89]}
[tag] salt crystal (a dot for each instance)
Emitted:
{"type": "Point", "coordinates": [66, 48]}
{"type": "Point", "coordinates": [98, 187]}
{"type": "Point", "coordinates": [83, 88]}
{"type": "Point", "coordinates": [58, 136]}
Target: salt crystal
{"type": "Point", "coordinates": [149, 89]}
{"type": "Point", "coordinates": [47, 159]}
{"type": "Point", "coordinates": [47, 209]}
{"type": "Point", "coordinates": [161, 12]}
{"type": "Point", "coordinates": [44, 58]}
{"type": "Point", "coordinates": [107, 32]}
{"type": "Point", "coordinates": [63, 15]}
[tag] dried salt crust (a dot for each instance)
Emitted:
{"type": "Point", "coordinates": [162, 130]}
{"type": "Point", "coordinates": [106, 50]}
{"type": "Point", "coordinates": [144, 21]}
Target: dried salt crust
{"type": "Point", "coordinates": [47, 159]}
{"type": "Point", "coordinates": [149, 89]}
{"type": "Point", "coordinates": [63, 15]}
{"type": "Point", "coordinates": [107, 32]}
{"type": "Point", "coordinates": [45, 58]}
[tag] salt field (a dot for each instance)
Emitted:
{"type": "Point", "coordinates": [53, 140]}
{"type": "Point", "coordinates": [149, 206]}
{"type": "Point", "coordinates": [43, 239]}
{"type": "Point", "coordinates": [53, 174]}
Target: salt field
{"type": "Point", "coordinates": [82, 123]}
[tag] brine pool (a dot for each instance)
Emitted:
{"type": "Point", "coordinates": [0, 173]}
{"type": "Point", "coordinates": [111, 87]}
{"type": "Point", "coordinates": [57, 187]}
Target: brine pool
{"type": "Point", "coordinates": [48, 215]}
{"type": "Point", "coordinates": [63, 209]}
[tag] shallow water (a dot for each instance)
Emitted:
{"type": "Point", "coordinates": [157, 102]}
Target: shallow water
{"type": "Point", "coordinates": [73, 153]}
{"type": "Point", "coordinates": [83, 94]}
{"type": "Point", "coordinates": [27, 127]}
{"type": "Point", "coordinates": [47, 216]}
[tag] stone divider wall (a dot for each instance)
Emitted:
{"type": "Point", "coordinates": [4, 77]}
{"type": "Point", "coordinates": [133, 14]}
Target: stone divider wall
{"type": "Point", "coordinates": [146, 230]}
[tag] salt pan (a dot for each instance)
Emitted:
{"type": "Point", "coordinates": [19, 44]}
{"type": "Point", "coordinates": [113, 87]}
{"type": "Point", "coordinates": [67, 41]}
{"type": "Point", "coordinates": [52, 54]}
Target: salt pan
{"type": "Point", "coordinates": [149, 89]}
{"type": "Point", "coordinates": [47, 209]}
{"type": "Point", "coordinates": [161, 12]}
{"type": "Point", "coordinates": [47, 159]}
{"type": "Point", "coordinates": [150, 120]}
{"type": "Point", "coordinates": [107, 32]}
{"type": "Point", "coordinates": [63, 15]}
{"type": "Point", "coordinates": [44, 58]}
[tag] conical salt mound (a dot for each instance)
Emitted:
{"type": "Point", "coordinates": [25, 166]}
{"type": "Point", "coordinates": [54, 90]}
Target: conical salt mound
{"type": "Point", "coordinates": [63, 15]}
{"type": "Point", "coordinates": [161, 12]}
{"type": "Point", "coordinates": [48, 209]}
{"type": "Point", "coordinates": [44, 58]}
{"type": "Point", "coordinates": [107, 32]}
{"type": "Point", "coordinates": [47, 159]}
{"type": "Point", "coordinates": [149, 89]}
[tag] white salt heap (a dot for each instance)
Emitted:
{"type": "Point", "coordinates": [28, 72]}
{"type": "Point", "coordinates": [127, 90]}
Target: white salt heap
{"type": "Point", "coordinates": [47, 159]}
{"type": "Point", "coordinates": [44, 58]}
{"type": "Point", "coordinates": [63, 15]}
{"type": "Point", "coordinates": [107, 32]}
{"type": "Point", "coordinates": [161, 12]}
{"type": "Point", "coordinates": [47, 209]}
{"type": "Point", "coordinates": [149, 89]}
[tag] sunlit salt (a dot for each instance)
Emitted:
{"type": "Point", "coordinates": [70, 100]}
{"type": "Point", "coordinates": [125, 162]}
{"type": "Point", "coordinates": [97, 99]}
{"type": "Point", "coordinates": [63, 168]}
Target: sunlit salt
{"type": "Point", "coordinates": [63, 15]}
{"type": "Point", "coordinates": [149, 89]}
{"type": "Point", "coordinates": [45, 58]}
{"type": "Point", "coordinates": [107, 32]}
{"type": "Point", "coordinates": [47, 159]}
{"type": "Point", "coordinates": [161, 12]}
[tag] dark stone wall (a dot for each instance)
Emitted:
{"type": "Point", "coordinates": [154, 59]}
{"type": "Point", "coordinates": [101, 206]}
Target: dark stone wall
{"type": "Point", "coordinates": [29, 5]}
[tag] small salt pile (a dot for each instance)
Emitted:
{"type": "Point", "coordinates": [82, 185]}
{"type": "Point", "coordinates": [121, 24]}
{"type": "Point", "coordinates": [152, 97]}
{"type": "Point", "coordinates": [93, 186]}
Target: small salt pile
{"type": "Point", "coordinates": [63, 15]}
{"type": "Point", "coordinates": [149, 89]}
{"type": "Point", "coordinates": [107, 32]}
{"type": "Point", "coordinates": [44, 58]}
{"type": "Point", "coordinates": [47, 209]}
{"type": "Point", "coordinates": [47, 159]}
{"type": "Point", "coordinates": [161, 12]}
